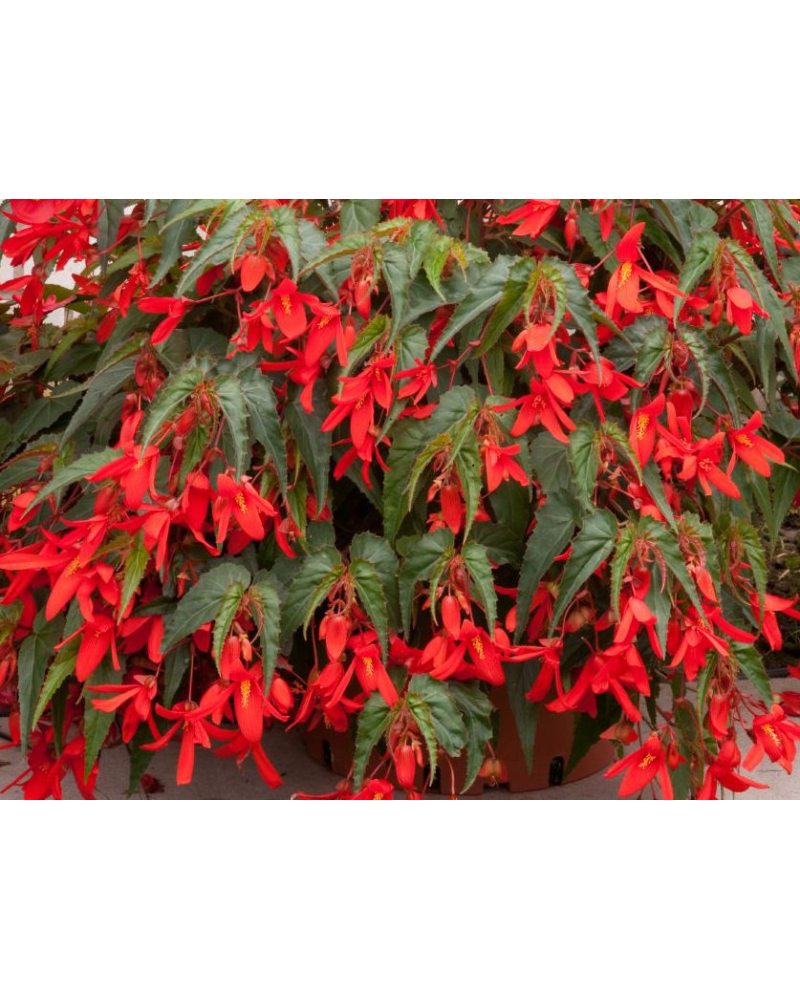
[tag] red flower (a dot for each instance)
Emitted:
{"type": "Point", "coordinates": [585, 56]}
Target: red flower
{"type": "Point", "coordinates": [623, 287]}
{"type": "Point", "coordinates": [175, 309]}
{"type": "Point", "coordinates": [740, 308]}
{"type": "Point", "coordinates": [775, 736]}
{"type": "Point", "coordinates": [34, 211]}
{"type": "Point", "coordinates": [357, 397]}
{"type": "Point", "coordinates": [754, 450]}
{"type": "Point", "coordinates": [245, 504]}
{"type": "Point", "coordinates": [722, 772]}
{"type": "Point", "coordinates": [643, 766]}
{"type": "Point", "coordinates": [421, 378]}
{"type": "Point", "coordinates": [642, 434]}
{"type": "Point", "coordinates": [138, 698]}
{"type": "Point", "coordinates": [540, 407]}
{"type": "Point", "coordinates": [500, 466]}
{"type": "Point", "coordinates": [192, 721]}
{"type": "Point", "coordinates": [532, 217]}
{"type": "Point", "coordinates": [288, 308]}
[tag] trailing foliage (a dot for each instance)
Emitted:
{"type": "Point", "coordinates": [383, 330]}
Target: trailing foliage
{"type": "Point", "coordinates": [357, 464]}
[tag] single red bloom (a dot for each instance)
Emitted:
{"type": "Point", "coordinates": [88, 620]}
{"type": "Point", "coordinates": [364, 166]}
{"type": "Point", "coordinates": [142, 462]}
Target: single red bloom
{"type": "Point", "coordinates": [288, 308]}
{"type": "Point", "coordinates": [723, 772]}
{"type": "Point", "coordinates": [175, 309]}
{"type": "Point", "coordinates": [754, 450]}
{"type": "Point", "coordinates": [244, 503]}
{"type": "Point", "coordinates": [643, 766]}
{"type": "Point", "coordinates": [623, 287]}
{"type": "Point", "coordinates": [775, 736]}
{"type": "Point", "coordinates": [642, 434]}
{"type": "Point", "coordinates": [500, 466]}
{"type": "Point", "coordinates": [138, 698]}
{"type": "Point", "coordinates": [740, 308]}
{"type": "Point", "coordinates": [532, 217]}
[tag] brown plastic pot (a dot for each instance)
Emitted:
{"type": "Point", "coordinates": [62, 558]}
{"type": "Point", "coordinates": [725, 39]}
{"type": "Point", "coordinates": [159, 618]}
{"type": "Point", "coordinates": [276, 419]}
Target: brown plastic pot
{"type": "Point", "coordinates": [551, 751]}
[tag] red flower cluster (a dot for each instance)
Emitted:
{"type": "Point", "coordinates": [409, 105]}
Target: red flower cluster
{"type": "Point", "coordinates": [574, 436]}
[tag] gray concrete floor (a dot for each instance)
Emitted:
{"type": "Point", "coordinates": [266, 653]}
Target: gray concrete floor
{"type": "Point", "coordinates": [218, 778]}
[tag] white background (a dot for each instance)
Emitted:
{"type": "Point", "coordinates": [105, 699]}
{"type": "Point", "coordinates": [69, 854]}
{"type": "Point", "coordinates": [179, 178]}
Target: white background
{"type": "Point", "coordinates": [466, 899]}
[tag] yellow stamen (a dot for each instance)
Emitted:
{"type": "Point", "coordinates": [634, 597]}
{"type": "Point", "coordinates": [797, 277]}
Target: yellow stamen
{"type": "Point", "coordinates": [367, 661]}
{"type": "Point", "coordinates": [770, 731]}
{"type": "Point", "coordinates": [477, 645]}
{"type": "Point", "coordinates": [642, 423]}
{"type": "Point", "coordinates": [647, 760]}
{"type": "Point", "coordinates": [378, 795]}
{"type": "Point", "coordinates": [240, 502]}
{"type": "Point", "coordinates": [74, 566]}
{"type": "Point", "coordinates": [744, 439]}
{"type": "Point", "coordinates": [244, 691]}
{"type": "Point", "coordinates": [286, 302]}
{"type": "Point", "coordinates": [324, 320]}
{"type": "Point", "coordinates": [361, 401]}
{"type": "Point", "coordinates": [624, 274]}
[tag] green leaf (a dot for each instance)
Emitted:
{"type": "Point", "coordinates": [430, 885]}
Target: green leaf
{"type": "Point", "coordinates": [135, 564]}
{"type": "Point", "coordinates": [217, 248]}
{"type": "Point", "coordinates": [409, 441]}
{"type": "Point", "coordinates": [313, 444]}
{"type": "Point", "coordinates": [84, 466]}
{"type": "Point", "coordinates": [477, 562]}
{"type": "Point", "coordinates": [555, 526]}
{"type": "Point", "coordinates": [468, 467]}
{"type": "Point", "coordinates": [269, 605]}
{"type": "Point", "coordinates": [173, 238]}
{"type": "Point", "coordinates": [34, 652]}
{"type": "Point", "coordinates": [520, 678]}
{"type": "Point", "coordinates": [264, 423]}
{"type": "Point", "coordinates": [590, 549]}
{"type": "Point", "coordinates": [224, 618]}
{"type": "Point", "coordinates": [652, 480]}
{"type": "Point", "coordinates": [359, 214]}
{"type": "Point", "coordinates": [584, 456]}
{"type": "Point", "coordinates": [435, 259]}
{"type": "Point", "coordinates": [99, 388]}
{"type": "Point", "coordinates": [396, 274]}
{"type": "Point", "coordinates": [510, 304]}
{"type": "Point", "coordinates": [379, 553]}
{"type": "Point", "coordinates": [659, 600]}
{"type": "Point", "coordinates": [317, 574]}
{"type": "Point", "coordinates": [176, 663]}
{"type": "Point", "coordinates": [477, 712]}
{"type": "Point", "coordinates": [233, 405]}
{"type": "Point", "coordinates": [370, 592]}
{"type": "Point", "coordinates": [622, 556]}
{"type": "Point", "coordinates": [698, 261]}
{"type": "Point", "coordinates": [96, 724]}
{"type": "Point", "coordinates": [419, 564]}
{"type": "Point", "coordinates": [368, 337]}
{"type": "Point", "coordinates": [60, 669]}
{"type": "Point", "coordinates": [482, 295]}
{"type": "Point", "coordinates": [448, 726]}
{"type": "Point", "coordinates": [551, 461]}
{"type": "Point", "coordinates": [670, 550]}
{"type": "Point", "coordinates": [752, 666]}
{"type": "Point", "coordinates": [110, 216]}
{"type": "Point", "coordinates": [765, 230]}
{"type": "Point", "coordinates": [284, 220]}
{"type": "Point", "coordinates": [756, 557]}
{"type": "Point", "coordinates": [203, 602]}
{"type": "Point", "coordinates": [579, 305]}
{"type": "Point", "coordinates": [373, 721]}
{"type": "Point", "coordinates": [172, 394]}
{"type": "Point", "coordinates": [654, 349]}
